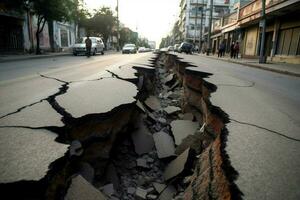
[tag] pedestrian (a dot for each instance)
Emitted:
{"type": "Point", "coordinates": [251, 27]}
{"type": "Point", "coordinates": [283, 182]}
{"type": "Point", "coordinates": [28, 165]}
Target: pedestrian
{"type": "Point", "coordinates": [88, 46]}
{"type": "Point", "coordinates": [232, 50]}
{"type": "Point", "coordinates": [221, 51]}
{"type": "Point", "coordinates": [236, 50]}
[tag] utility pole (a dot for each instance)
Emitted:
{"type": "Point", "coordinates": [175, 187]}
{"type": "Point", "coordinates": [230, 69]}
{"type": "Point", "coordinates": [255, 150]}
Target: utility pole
{"type": "Point", "coordinates": [196, 25]}
{"type": "Point", "coordinates": [118, 27]}
{"type": "Point", "coordinates": [201, 24]}
{"type": "Point", "coordinates": [262, 26]}
{"type": "Point", "coordinates": [209, 28]}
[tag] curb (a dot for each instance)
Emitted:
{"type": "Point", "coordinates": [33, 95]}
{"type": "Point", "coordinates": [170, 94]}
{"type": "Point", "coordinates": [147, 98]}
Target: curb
{"type": "Point", "coordinates": [257, 66]}
{"type": "Point", "coordinates": [33, 57]}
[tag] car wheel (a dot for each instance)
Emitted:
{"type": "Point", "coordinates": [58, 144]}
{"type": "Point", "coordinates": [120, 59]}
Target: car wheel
{"type": "Point", "coordinates": [95, 51]}
{"type": "Point", "coordinates": [74, 53]}
{"type": "Point", "coordinates": [102, 52]}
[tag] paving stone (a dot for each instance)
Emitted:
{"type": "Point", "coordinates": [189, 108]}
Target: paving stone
{"type": "Point", "coordinates": [182, 128]}
{"type": "Point", "coordinates": [80, 189]}
{"type": "Point", "coordinates": [153, 103]}
{"type": "Point", "coordinates": [26, 154]}
{"type": "Point", "coordinates": [151, 196]}
{"type": "Point", "coordinates": [101, 96]}
{"type": "Point", "coordinates": [176, 166]}
{"type": "Point", "coordinates": [38, 115]}
{"type": "Point", "coordinates": [164, 144]}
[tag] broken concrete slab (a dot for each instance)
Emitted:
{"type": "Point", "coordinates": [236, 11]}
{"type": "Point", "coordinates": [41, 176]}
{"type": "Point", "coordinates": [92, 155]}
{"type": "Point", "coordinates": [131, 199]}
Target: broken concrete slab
{"type": "Point", "coordinates": [177, 166]}
{"type": "Point", "coordinates": [188, 116]}
{"type": "Point", "coordinates": [97, 96]}
{"type": "Point", "coordinates": [124, 71]}
{"type": "Point", "coordinates": [141, 106]}
{"type": "Point", "coordinates": [182, 128]}
{"type": "Point", "coordinates": [108, 189]}
{"type": "Point", "coordinates": [153, 103]}
{"type": "Point", "coordinates": [38, 115]}
{"type": "Point", "coordinates": [142, 139]}
{"type": "Point", "coordinates": [140, 194]}
{"type": "Point", "coordinates": [26, 154]}
{"type": "Point", "coordinates": [141, 162]}
{"type": "Point", "coordinates": [169, 78]}
{"type": "Point", "coordinates": [168, 193]}
{"type": "Point", "coordinates": [159, 187]}
{"type": "Point", "coordinates": [164, 144]}
{"type": "Point", "coordinates": [131, 190]}
{"type": "Point", "coordinates": [80, 189]}
{"type": "Point", "coordinates": [171, 109]}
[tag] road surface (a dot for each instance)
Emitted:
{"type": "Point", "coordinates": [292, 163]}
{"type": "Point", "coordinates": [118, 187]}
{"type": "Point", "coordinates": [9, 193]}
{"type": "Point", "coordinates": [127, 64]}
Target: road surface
{"type": "Point", "coordinates": [264, 130]}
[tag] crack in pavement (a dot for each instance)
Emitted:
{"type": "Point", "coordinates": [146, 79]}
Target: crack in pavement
{"type": "Point", "coordinates": [21, 108]}
{"type": "Point", "coordinates": [53, 78]}
{"type": "Point", "coordinates": [266, 129]}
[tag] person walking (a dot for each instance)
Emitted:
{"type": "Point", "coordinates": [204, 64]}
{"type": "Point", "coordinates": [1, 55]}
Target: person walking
{"type": "Point", "coordinates": [88, 46]}
{"type": "Point", "coordinates": [236, 50]}
{"type": "Point", "coordinates": [232, 50]}
{"type": "Point", "coordinates": [221, 51]}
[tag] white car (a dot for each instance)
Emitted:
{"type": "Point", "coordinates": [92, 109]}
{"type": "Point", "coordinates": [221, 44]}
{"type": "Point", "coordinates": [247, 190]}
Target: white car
{"type": "Point", "coordinates": [97, 46]}
{"type": "Point", "coordinates": [129, 48]}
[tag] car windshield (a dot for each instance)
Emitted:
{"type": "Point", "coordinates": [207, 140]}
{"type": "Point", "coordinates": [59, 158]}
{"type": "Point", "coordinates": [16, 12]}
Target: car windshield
{"type": "Point", "coordinates": [129, 45]}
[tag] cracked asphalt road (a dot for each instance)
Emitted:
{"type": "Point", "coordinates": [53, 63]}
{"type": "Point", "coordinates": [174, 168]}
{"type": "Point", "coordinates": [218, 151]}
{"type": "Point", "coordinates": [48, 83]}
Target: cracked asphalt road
{"type": "Point", "coordinates": [264, 132]}
{"type": "Point", "coordinates": [38, 95]}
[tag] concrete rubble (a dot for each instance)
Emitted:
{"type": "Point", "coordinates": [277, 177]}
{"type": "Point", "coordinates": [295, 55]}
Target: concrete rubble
{"type": "Point", "coordinates": [80, 189]}
{"type": "Point", "coordinates": [183, 128]}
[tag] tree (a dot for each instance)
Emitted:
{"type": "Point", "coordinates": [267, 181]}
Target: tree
{"type": "Point", "coordinates": [102, 23]}
{"type": "Point", "coordinates": [48, 11]}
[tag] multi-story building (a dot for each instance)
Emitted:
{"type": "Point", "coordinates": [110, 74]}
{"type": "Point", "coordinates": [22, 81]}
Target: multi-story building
{"type": "Point", "coordinates": [194, 17]}
{"type": "Point", "coordinates": [282, 37]}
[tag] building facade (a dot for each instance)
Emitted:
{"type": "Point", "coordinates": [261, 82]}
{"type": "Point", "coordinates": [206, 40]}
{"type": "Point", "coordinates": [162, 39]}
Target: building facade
{"type": "Point", "coordinates": [17, 33]}
{"type": "Point", "coordinates": [194, 20]}
{"type": "Point", "coordinates": [282, 38]}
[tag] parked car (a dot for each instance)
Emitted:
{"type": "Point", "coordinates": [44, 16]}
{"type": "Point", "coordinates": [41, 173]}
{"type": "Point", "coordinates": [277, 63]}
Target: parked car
{"type": "Point", "coordinates": [176, 47]}
{"type": "Point", "coordinates": [142, 49]}
{"type": "Point", "coordinates": [170, 48]}
{"type": "Point", "coordinates": [97, 46]}
{"type": "Point", "coordinates": [129, 48]}
{"type": "Point", "coordinates": [186, 48]}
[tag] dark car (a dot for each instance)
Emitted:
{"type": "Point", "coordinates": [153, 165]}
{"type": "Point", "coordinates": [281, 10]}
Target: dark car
{"type": "Point", "coordinates": [186, 48]}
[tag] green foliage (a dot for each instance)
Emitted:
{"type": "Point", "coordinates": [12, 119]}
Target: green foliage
{"type": "Point", "coordinates": [128, 36]}
{"type": "Point", "coordinates": [101, 23]}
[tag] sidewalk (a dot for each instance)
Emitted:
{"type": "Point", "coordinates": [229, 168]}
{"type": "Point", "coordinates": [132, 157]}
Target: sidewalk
{"type": "Point", "coordinates": [10, 58]}
{"type": "Point", "coordinates": [283, 68]}
{"type": "Point", "coordinates": [19, 57]}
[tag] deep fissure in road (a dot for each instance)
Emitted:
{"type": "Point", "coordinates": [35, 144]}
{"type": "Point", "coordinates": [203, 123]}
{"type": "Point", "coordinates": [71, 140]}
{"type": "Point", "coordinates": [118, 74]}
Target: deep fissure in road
{"type": "Point", "coordinates": [169, 144]}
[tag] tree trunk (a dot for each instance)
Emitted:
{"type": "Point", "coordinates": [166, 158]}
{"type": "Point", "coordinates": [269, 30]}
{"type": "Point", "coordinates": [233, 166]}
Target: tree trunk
{"type": "Point", "coordinates": [39, 30]}
{"type": "Point", "coordinates": [51, 36]}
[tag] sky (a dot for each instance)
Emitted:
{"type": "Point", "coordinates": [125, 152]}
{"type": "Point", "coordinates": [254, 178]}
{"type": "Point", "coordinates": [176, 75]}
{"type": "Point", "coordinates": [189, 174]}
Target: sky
{"type": "Point", "coordinates": [153, 19]}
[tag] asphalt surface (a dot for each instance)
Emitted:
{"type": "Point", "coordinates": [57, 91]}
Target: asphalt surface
{"type": "Point", "coordinates": [29, 92]}
{"type": "Point", "coordinates": [264, 132]}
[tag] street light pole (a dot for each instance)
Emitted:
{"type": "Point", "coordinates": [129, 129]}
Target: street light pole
{"type": "Point", "coordinates": [262, 26]}
{"type": "Point", "coordinates": [209, 28]}
{"type": "Point", "coordinates": [201, 24]}
{"type": "Point", "coordinates": [118, 27]}
{"type": "Point", "coordinates": [195, 27]}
